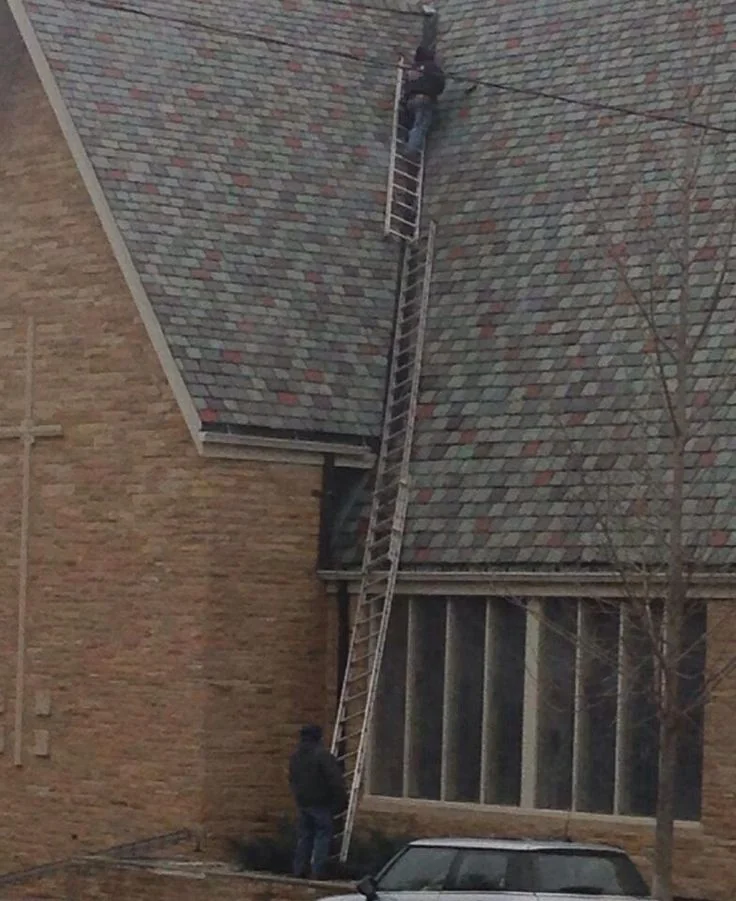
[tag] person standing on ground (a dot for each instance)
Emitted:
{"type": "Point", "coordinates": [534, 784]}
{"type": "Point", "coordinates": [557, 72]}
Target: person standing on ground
{"type": "Point", "coordinates": [318, 788]}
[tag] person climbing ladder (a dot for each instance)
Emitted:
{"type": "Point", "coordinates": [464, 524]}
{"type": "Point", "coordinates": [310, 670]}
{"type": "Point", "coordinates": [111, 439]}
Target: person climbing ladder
{"type": "Point", "coordinates": [423, 84]}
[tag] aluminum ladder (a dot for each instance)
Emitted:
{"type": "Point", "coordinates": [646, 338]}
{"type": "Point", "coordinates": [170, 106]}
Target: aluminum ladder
{"type": "Point", "coordinates": [405, 176]}
{"type": "Point", "coordinates": [385, 532]}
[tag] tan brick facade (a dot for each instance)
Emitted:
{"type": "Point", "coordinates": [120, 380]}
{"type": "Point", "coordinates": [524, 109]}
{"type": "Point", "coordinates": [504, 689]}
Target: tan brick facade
{"type": "Point", "coordinates": [174, 624]}
{"type": "Point", "coordinates": [176, 632]}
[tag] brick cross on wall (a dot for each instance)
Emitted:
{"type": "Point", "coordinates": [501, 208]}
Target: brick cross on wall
{"type": "Point", "coordinates": [28, 431]}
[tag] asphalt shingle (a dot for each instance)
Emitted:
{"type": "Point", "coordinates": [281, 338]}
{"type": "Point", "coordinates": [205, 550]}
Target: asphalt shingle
{"type": "Point", "coordinates": [242, 147]}
{"type": "Point", "coordinates": [541, 434]}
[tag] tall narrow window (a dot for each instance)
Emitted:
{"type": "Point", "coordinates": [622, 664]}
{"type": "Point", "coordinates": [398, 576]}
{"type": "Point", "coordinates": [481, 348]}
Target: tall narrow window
{"type": "Point", "coordinates": [387, 751]}
{"type": "Point", "coordinates": [596, 698]}
{"type": "Point", "coordinates": [427, 690]}
{"type": "Point", "coordinates": [556, 696]}
{"type": "Point", "coordinates": [690, 702]}
{"type": "Point", "coordinates": [464, 698]}
{"type": "Point", "coordinates": [504, 702]}
{"type": "Point", "coordinates": [641, 752]}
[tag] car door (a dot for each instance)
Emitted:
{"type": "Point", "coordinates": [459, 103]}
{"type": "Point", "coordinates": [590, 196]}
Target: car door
{"type": "Point", "coordinates": [487, 874]}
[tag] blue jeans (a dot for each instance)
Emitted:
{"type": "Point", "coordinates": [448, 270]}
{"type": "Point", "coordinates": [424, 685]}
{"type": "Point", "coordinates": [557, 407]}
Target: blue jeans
{"type": "Point", "coordinates": [313, 837]}
{"type": "Point", "coordinates": [420, 126]}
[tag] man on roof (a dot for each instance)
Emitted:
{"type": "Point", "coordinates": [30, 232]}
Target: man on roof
{"type": "Point", "coordinates": [423, 84]}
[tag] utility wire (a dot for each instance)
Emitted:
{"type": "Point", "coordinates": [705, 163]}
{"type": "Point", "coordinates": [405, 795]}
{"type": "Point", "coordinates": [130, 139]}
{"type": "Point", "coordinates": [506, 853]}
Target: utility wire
{"type": "Point", "coordinates": [378, 63]}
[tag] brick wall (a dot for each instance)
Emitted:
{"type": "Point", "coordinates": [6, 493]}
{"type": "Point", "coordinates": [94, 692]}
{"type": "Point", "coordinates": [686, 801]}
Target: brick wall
{"type": "Point", "coordinates": [175, 625]}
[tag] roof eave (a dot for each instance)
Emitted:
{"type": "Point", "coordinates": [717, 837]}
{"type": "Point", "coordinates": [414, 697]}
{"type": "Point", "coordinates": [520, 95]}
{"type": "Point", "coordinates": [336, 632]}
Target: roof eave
{"type": "Point", "coordinates": [532, 583]}
{"type": "Point", "coordinates": [282, 450]}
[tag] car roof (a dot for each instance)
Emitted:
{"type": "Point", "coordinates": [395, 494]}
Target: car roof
{"type": "Point", "coordinates": [510, 844]}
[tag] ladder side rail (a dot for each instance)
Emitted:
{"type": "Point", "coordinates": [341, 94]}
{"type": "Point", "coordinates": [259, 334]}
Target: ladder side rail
{"type": "Point", "coordinates": [376, 505]}
{"type": "Point", "coordinates": [392, 156]}
{"type": "Point", "coordinates": [396, 538]}
{"type": "Point", "coordinates": [419, 346]}
{"type": "Point", "coordinates": [420, 194]}
{"type": "Point", "coordinates": [359, 766]}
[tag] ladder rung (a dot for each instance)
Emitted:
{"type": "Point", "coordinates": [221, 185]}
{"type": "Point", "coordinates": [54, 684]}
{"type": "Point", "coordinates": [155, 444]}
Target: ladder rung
{"type": "Point", "coordinates": [374, 577]}
{"type": "Point", "coordinates": [349, 737]}
{"type": "Point", "coordinates": [403, 203]}
{"type": "Point", "coordinates": [356, 697]}
{"type": "Point", "coordinates": [412, 286]}
{"type": "Point", "coordinates": [403, 221]}
{"type": "Point", "coordinates": [411, 160]}
{"type": "Point", "coordinates": [402, 384]}
{"type": "Point", "coordinates": [384, 523]}
{"type": "Point", "coordinates": [400, 232]}
{"type": "Point", "coordinates": [366, 620]}
{"type": "Point", "coordinates": [360, 658]}
{"type": "Point", "coordinates": [351, 716]}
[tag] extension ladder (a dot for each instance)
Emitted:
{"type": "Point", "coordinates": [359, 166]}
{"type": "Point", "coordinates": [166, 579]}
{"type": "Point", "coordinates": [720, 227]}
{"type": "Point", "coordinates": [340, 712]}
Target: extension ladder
{"type": "Point", "coordinates": [385, 533]}
{"type": "Point", "coordinates": [405, 176]}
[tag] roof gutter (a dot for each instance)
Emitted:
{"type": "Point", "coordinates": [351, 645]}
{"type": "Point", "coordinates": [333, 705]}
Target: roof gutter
{"type": "Point", "coordinates": [282, 450]}
{"type": "Point", "coordinates": [535, 583]}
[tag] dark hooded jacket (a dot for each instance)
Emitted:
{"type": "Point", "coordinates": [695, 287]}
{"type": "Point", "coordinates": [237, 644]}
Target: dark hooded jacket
{"type": "Point", "coordinates": [315, 777]}
{"type": "Point", "coordinates": [431, 78]}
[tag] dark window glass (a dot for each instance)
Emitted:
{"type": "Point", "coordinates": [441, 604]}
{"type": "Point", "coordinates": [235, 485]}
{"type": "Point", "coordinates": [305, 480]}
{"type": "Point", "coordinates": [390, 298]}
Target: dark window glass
{"type": "Point", "coordinates": [556, 703]}
{"type": "Point", "coordinates": [596, 772]}
{"type": "Point", "coordinates": [690, 701]}
{"type": "Point", "coordinates": [587, 872]}
{"type": "Point", "coordinates": [427, 689]}
{"type": "Point", "coordinates": [465, 707]}
{"type": "Point", "coordinates": [387, 754]}
{"type": "Point", "coordinates": [418, 869]}
{"type": "Point", "coordinates": [484, 871]}
{"type": "Point", "coordinates": [505, 702]}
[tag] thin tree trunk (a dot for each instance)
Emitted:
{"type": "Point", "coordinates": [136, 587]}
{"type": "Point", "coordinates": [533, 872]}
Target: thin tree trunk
{"type": "Point", "coordinates": [665, 828]}
{"type": "Point", "coordinates": [676, 597]}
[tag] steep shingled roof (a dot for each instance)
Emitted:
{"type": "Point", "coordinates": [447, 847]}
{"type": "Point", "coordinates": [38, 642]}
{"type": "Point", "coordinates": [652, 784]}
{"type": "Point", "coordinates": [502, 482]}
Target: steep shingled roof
{"type": "Point", "coordinates": [242, 148]}
{"type": "Point", "coordinates": [537, 363]}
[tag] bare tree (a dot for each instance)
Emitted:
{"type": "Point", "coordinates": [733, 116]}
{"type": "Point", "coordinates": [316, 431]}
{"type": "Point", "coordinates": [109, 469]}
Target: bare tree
{"type": "Point", "coordinates": [665, 222]}
{"type": "Point", "coordinates": [669, 244]}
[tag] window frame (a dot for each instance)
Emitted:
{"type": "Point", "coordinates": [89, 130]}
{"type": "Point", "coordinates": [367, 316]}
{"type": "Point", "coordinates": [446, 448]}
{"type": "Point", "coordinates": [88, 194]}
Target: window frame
{"type": "Point", "coordinates": [532, 705]}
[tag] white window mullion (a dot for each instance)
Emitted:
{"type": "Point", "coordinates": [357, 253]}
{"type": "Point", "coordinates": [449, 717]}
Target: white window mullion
{"type": "Point", "coordinates": [487, 742]}
{"type": "Point", "coordinates": [409, 702]}
{"type": "Point", "coordinates": [621, 785]}
{"type": "Point", "coordinates": [578, 714]}
{"type": "Point", "coordinates": [448, 693]}
{"type": "Point", "coordinates": [529, 745]}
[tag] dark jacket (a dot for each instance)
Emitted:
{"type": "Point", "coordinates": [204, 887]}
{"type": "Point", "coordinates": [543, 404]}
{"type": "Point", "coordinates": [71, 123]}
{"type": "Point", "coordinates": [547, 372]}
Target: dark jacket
{"type": "Point", "coordinates": [430, 82]}
{"type": "Point", "coordinates": [315, 777]}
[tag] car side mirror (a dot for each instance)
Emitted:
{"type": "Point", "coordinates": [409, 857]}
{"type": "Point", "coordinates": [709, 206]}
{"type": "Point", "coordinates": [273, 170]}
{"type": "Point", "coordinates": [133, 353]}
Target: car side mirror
{"type": "Point", "coordinates": [368, 887]}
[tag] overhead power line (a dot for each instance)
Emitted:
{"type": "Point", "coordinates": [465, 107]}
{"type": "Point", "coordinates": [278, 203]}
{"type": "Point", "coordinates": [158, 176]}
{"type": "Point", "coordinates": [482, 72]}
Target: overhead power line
{"type": "Point", "coordinates": [382, 63]}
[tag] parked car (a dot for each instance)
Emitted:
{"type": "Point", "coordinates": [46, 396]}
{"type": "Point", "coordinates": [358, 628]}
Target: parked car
{"type": "Point", "coordinates": [454, 869]}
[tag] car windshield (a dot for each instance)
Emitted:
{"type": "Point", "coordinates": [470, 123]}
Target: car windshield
{"type": "Point", "coordinates": [587, 873]}
{"type": "Point", "coordinates": [417, 869]}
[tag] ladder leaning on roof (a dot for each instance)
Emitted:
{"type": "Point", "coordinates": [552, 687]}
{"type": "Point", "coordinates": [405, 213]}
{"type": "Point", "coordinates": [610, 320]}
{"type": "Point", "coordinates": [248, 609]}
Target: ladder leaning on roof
{"type": "Point", "coordinates": [405, 175]}
{"type": "Point", "coordinates": [385, 533]}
